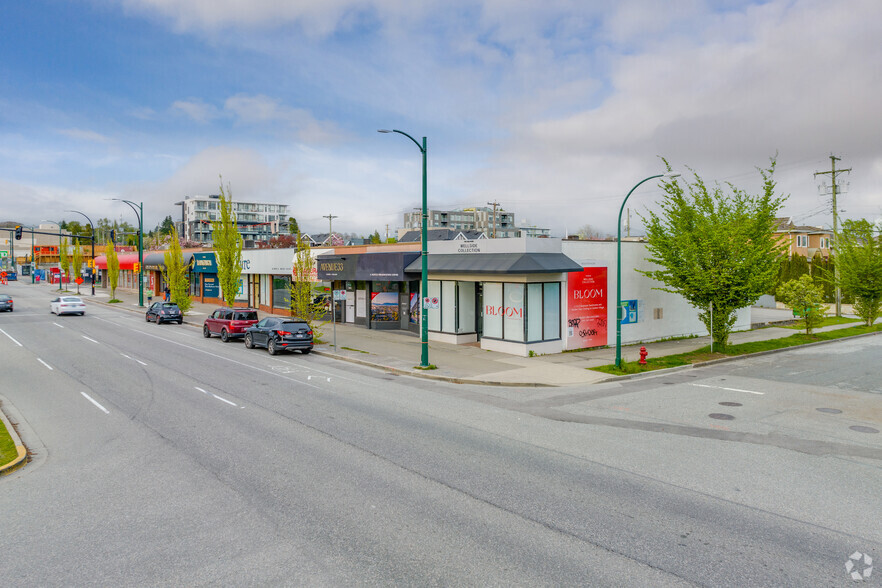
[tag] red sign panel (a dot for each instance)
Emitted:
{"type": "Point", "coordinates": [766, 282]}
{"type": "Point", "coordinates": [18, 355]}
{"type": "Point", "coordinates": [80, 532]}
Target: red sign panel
{"type": "Point", "coordinates": [586, 308]}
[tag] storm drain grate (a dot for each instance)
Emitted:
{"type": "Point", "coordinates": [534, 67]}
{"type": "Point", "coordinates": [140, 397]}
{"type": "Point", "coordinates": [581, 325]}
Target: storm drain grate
{"type": "Point", "coordinates": [731, 404]}
{"type": "Point", "coordinates": [862, 429]}
{"type": "Point", "coordinates": [721, 416]}
{"type": "Point", "coordinates": [829, 410]}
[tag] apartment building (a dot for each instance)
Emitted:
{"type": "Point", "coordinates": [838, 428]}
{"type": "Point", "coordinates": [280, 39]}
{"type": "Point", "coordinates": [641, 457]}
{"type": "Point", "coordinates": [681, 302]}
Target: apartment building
{"type": "Point", "coordinates": [257, 221]}
{"type": "Point", "coordinates": [499, 224]}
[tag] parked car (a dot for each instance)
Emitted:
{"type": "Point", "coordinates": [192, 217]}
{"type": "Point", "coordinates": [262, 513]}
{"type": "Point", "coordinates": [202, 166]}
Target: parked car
{"type": "Point", "coordinates": [5, 302]}
{"type": "Point", "coordinates": [229, 323]}
{"type": "Point", "coordinates": [279, 334]}
{"type": "Point", "coordinates": [164, 312]}
{"type": "Point", "coordinates": [67, 305]}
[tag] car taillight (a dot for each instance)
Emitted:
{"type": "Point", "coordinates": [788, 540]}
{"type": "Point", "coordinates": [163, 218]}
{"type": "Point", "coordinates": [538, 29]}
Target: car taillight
{"type": "Point", "coordinates": [309, 332]}
{"type": "Point", "coordinates": [283, 333]}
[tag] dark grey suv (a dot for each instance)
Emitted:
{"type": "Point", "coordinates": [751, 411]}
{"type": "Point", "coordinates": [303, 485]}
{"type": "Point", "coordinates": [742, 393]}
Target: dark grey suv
{"type": "Point", "coordinates": [279, 334]}
{"type": "Point", "coordinates": [164, 312]}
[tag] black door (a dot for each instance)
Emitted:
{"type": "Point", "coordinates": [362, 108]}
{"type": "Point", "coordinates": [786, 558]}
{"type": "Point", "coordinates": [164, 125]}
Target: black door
{"type": "Point", "coordinates": [479, 309]}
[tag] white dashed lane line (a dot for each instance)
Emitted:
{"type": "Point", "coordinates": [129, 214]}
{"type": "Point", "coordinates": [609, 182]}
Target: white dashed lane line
{"type": "Point", "coordinates": [44, 363]}
{"type": "Point", "coordinates": [218, 397]}
{"type": "Point", "coordinates": [730, 389]}
{"type": "Point", "coordinates": [11, 338]}
{"type": "Point", "coordinates": [92, 400]}
{"type": "Point", "coordinates": [89, 339]}
{"type": "Point", "coordinates": [57, 325]}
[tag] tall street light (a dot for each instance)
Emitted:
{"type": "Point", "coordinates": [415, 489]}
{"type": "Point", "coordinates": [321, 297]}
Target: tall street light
{"type": "Point", "coordinates": [140, 216]}
{"type": "Point", "coordinates": [92, 229]}
{"type": "Point", "coordinates": [619, 265]}
{"type": "Point", "coordinates": [424, 312]}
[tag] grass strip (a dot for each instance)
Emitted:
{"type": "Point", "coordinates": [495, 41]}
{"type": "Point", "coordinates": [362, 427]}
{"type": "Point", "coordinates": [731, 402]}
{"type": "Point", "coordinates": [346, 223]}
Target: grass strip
{"type": "Point", "coordinates": [8, 452]}
{"type": "Point", "coordinates": [704, 353]}
{"type": "Point", "coordinates": [829, 320]}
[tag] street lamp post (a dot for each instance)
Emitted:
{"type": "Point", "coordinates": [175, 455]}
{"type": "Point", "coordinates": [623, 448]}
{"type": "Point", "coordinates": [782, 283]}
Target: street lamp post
{"type": "Point", "coordinates": [424, 312]}
{"type": "Point", "coordinates": [140, 216]}
{"type": "Point", "coordinates": [92, 230]}
{"type": "Point", "coordinates": [619, 266]}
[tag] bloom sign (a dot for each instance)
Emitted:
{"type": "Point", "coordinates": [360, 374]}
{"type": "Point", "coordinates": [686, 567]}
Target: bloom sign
{"type": "Point", "coordinates": [586, 308]}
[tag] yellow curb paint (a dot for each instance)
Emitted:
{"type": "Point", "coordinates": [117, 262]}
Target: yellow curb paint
{"type": "Point", "coordinates": [22, 454]}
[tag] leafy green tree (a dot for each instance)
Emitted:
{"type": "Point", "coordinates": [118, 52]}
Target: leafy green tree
{"type": "Point", "coordinates": [805, 298]}
{"type": "Point", "coordinates": [304, 302]}
{"type": "Point", "coordinates": [859, 255]}
{"type": "Point", "coordinates": [63, 261]}
{"type": "Point", "coordinates": [375, 237]}
{"type": "Point", "coordinates": [175, 273]}
{"type": "Point", "coordinates": [112, 270]}
{"type": "Point", "coordinates": [714, 247]}
{"type": "Point", "coordinates": [227, 246]}
{"type": "Point", "coordinates": [166, 227]}
{"type": "Point", "coordinates": [292, 226]}
{"type": "Point", "coordinates": [77, 264]}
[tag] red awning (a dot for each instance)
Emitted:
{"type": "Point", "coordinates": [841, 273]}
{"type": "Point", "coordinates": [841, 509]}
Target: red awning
{"type": "Point", "coordinates": [126, 261]}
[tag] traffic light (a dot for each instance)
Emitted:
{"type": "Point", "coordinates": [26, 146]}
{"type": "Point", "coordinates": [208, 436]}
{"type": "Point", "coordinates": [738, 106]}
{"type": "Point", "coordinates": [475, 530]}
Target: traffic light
{"type": "Point", "coordinates": [18, 231]}
{"type": "Point", "coordinates": [112, 236]}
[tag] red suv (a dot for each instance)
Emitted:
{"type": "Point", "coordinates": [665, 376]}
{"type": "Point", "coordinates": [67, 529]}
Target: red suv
{"type": "Point", "coordinates": [229, 323]}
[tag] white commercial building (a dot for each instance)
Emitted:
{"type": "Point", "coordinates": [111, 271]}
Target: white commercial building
{"type": "Point", "coordinates": [257, 221]}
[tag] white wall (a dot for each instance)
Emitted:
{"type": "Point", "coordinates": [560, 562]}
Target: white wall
{"type": "Point", "coordinates": [679, 318]}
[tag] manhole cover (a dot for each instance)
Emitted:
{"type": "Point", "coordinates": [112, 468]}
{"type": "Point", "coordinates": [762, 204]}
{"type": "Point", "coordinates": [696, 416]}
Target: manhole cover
{"type": "Point", "coordinates": [731, 404]}
{"type": "Point", "coordinates": [721, 416]}
{"type": "Point", "coordinates": [862, 429]}
{"type": "Point", "coordinates": [829, 410]}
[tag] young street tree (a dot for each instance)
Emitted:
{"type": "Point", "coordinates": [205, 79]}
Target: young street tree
{"type": "Point", "coordinates": [715, 248]}
{"type": "Point", "coordinates": [227, 246]}
{"type": "Point", "coordinates": [803, 296]}
{"type": "Point", "coordinates": [176, 274]}
{"type": "Point", "coordinates": [112, 269]}
{"type": "Point", "coordinates": [63, 261]}
{"type": "Point", "coordinates": [77, 264]}
{"type": "Point", "coordinates": [303, 296]}
{"type": "Point", "coordinates": [859, 255]}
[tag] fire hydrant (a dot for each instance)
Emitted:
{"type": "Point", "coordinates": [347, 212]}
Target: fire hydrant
{"type": "Point", "coordinates": [643, 354]}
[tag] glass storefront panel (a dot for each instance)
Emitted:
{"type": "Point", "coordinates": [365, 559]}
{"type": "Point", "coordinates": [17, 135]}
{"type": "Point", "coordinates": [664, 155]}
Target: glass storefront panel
{"type": "Point", "coordinates": [281, 292]}
{"type": "Point", "coordinates": [384, 302]}
{"type": "Point", "coordinates": [434, 313]}
{"type": "Point", "coordinates": [448, 306]}
{"type": "Point", "coordinates": [466, 307]}
{"type": "Point", "coordinates": [534, 312]}
{"type": "Point", "coordinates": [513, 318]}
{"type": "Point", "coordinates": [493, 310]}
{"type": "Point", "coordinates": [551, 311]}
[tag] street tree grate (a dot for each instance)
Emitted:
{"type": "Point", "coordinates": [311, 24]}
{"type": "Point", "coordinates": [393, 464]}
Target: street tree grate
{"type": "Point", "coordinates": [862, 429]}
{"type": "Point", "coordinates": [721, 416]}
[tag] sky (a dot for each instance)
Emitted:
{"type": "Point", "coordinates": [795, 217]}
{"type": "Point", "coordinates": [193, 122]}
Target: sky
{"type": "Point", "coordinates": [553, 109]}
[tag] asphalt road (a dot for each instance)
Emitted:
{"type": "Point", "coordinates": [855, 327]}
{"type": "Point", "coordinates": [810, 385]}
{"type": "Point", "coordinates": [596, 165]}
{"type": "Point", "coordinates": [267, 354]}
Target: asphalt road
{"type": "Point", "coordinates": [162, 458]}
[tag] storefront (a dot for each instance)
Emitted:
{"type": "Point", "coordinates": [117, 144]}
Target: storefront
{"type": "Point", "coordinates": [506, 294]}
{"type": "Point", "coordinates": [266, 278]}
{"type": "Point", "coordinates": [379, 292]}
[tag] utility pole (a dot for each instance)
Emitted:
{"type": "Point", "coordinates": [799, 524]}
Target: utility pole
{"type": "Point", "coordinates": [387, 231]}
{"type": "Point", "coordinates": [833, 171]}
{"type": "Point", "coordinates": [330, 218]}
{"type": "Point", "coordinates": [494, 204]}
{"type": "Point", "coordinates": [628, 225]}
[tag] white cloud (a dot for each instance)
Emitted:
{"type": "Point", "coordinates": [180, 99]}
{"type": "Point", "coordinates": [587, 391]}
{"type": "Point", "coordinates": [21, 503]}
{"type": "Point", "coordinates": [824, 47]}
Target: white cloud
{"type": "Point", "coordinates": [263, 110]}
{"type": "Point", "coordinates": [196, 110]}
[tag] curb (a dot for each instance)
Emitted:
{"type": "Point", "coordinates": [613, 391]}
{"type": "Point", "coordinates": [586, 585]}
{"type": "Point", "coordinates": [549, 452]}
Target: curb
{"type": "Point", "coordinates": [19, 446]}
{"type": "Point", "coordinates": [730, 359]}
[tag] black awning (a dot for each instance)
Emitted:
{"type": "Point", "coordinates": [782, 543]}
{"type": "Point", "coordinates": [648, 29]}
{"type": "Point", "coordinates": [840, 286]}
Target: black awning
{"type": "Point", "coordinates": [497, 263]}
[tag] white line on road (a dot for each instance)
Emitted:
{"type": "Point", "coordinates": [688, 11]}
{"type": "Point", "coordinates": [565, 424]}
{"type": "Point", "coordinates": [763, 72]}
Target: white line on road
{"type": "Point", "coordinates": [224, 400]}
{"type": "Point", "coordinates": [729, 389]}
{"type": "Point", "coordinates": [92, 400]}
{"type": "Point", "coordinates": [44, 363]}
{"type": "Point", "coordinates": [200, 389]}
{"type": "Point", "coordinates": [126, 356]}
{"type": "Point", "coordinates": [89, 339]}
{"type": "Point", "coordinates": [10, 336]}
{"type": "Point", "coordinates": [57, 325]}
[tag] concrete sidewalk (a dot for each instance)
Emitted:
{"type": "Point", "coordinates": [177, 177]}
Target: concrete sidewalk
{"type": "Point", "coordinates": [399, 352]}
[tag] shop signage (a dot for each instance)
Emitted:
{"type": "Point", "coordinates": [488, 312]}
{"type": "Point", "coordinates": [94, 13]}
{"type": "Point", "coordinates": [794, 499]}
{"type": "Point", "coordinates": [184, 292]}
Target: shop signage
{"type": "Point", "coordinates": [431, 302]}
{"type": "Point", "coordinates": [210, 287]}
{"type": "Point", "coordinates": [204, 263]}
{"type": "Point", "coordinates": [339, 295]}
{"type": "Point", "coordinates": [469, 247]}
{"type": "Point", "coordinates": [587, 308]}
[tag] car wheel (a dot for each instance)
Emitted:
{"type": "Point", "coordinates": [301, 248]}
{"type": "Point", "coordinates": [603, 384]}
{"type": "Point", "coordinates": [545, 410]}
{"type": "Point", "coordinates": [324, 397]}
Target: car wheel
{"type": "Point", "coordinates": [271, 347]}
{"type": "Point", "coordinates": [181, 322]}
{"type": "Point", "coordinates": [225, 337]}
{"type": "Point", "coordinates": [158, 322]}
{"type": "Point", "coordinates": [205, 331]}
{"type": "Point", "coordinates": [249, 344]}
{"type": "Point", "coordinates": [305, 351]}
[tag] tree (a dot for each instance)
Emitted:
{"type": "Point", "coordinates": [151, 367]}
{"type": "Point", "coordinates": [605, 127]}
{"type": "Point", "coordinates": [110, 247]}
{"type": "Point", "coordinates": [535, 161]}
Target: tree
{"type": "Point", "coordinates": [805, 298]}
{"type": "Point", "coordinates": [279, 242]}
{"type": "Point", "coordinates": [166, 227]}
{"type": "Point", "coordinates": [292, 226]}
{"type": "Point", "coordinates": [227, 246]}
{"type": "Point", "coordinates": [77, 265]}
{"type": "Point", "coordinates": [175, 273]}
{"type": "Point", "coordinates": [375, 238]}
{"type": "Point", "coordinates": [859, 255]}
{"type": "Point", "coordinates": [112, 270]}
{"type": "Point", "coordinates": [304, 302]}
{"type": "Point", "coordinates": [589, 232]}
{"type": "Point", "coordinates": [714, 247]}
{"type": "Point", "coordinates": [63, 261]}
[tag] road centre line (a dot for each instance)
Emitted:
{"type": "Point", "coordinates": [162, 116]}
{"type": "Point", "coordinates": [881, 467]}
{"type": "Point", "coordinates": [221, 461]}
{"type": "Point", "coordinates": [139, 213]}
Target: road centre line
{"type": "Point", "coordinates": [57, 325]}
{"type": "Point", "coordinates": [11, 338]}
{"type": "Point", "coordinates": [200, 389]}
{"type": "Point", "coordinates": [44, 363]}
{"type": "Point", "coordinates": [92, 400]}
{"type": "Point", "coordinates": [90, 339]}
{"type": "Point", "coordinates": [729, 389]}
{"type": "Point", "coordinates": [224, 400]}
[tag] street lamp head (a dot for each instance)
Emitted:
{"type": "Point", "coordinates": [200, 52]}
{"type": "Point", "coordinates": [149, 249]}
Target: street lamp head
{"type": "Point", "coordinates": [383, 131]}
{"type": "Point", "coordinates": [671, 175]}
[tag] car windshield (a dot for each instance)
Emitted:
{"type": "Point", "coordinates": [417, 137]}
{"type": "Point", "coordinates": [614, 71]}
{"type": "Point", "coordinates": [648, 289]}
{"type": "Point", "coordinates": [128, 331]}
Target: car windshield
{"type": "Point", "coordinates": [245, 316]}
{"type": "Point", "coordinates": [169, 305]}
{"type": "Point", "coordinates": [5, 298]}
{"type": "Point", "coordinates": [71, 299]}
{"type": "Point", "coordinates": [295, 324]}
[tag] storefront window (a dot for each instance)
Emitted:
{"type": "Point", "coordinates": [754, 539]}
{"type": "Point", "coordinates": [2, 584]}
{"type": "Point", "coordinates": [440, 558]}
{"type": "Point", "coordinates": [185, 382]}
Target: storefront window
{"type": "Point", "coordinates": [281, 292]}
{"type": "Point", "coordinates": [551, 311]}
{"type": "Point", "coordinates": [448, 306]}
{"type": "Point", "coordinates": [384, 302]}
{"type": "Point", "coordinates": [534, 312]}
{"type": "Point", "coordinates": [493, 310]}
{"type": "Point", "coordinates": [434, 313]}
{"type": "Point", "coordinates": [513, 317]}
{"type": "Point", "coordinates": [466, 307]}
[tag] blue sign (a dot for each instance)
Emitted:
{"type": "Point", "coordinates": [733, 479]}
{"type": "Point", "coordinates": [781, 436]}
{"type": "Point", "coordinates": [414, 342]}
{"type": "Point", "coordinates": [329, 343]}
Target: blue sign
{"type": "Point", "coordinates": [210, 286]}
{"type": "Point", "coordinates": [629, 312]}
{"type": "Point", "coordinates": [204, 263]}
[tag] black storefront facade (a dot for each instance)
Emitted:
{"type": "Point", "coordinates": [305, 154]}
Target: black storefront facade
{"type": "Point", "coordinates": [380, 294]}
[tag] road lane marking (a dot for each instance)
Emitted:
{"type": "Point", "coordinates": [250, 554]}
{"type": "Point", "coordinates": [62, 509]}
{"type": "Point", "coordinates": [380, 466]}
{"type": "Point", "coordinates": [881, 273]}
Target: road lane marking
{"type": "Point", "coordinates": [224, 400]}
{"type": "Point", "coordinates": [90, 339]}
{"type": "Point", "coordinates": [44, 363]}
{"type": "Point", "coordinates": [10, 337]}
{"type": "Point", "coordinates": [126, 356]}
{"type": "Point", "coordinates": [57, 325]}
{"type": "Point", "coordinates": [92, 400]}
{"type": "Point", "coordinates": [141, 362]}
{"type": "Point", "coordinates": [200, 389]}
{"type": "Point", "coordinates": [730, 389]}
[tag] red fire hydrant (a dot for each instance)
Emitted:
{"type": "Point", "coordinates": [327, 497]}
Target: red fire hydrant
{"type": "Point", "coordinates": [643, 354]}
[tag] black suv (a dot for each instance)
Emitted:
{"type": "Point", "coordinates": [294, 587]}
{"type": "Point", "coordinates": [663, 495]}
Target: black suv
{"type": "Point", "coordinates": [164, 312]}
{"type": "Point", "coordinates": [279, 334]}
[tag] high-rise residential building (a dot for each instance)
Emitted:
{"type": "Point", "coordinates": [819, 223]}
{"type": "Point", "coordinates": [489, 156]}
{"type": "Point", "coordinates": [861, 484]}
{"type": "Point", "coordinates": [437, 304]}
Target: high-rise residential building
{"type": "Point", "coordinates": [482, 219]}
{"type": "Point", "coordinates": [257, 221]}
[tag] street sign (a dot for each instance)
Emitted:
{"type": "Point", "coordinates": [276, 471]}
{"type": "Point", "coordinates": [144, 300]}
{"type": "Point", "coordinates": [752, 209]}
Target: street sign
{"type": "Point", "coordinates": [79, 281]}
{"type": "Point", "coordinates": [431, 302]}
{"type": "Point", "coordinates": [339, 295]}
